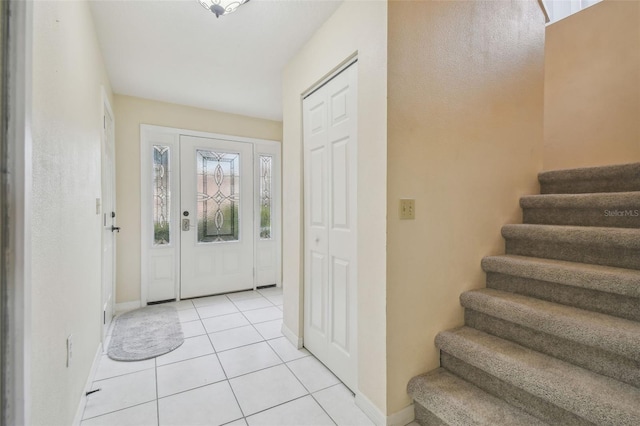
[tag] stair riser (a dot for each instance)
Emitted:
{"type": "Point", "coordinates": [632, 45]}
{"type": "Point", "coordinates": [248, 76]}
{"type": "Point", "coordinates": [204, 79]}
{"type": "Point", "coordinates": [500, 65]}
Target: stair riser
{"type": "Point", "coordinates": [511, 394]}
{"type": "Point", "coordinates": [425, 417]}
{"type": "Point", "coordinates": [595, 253]}
{"type": "Point", "coordinates": [592, 300]}
{"type": "Point", "coordinates": [628, 217]}
{"type": "Point", "coordinates": [590, 358]}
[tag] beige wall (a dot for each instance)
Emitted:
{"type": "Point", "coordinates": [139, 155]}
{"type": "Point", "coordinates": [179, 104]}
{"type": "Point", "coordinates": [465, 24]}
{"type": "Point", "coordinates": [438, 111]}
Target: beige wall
{"type": "Point", "coordinates": [592, 87]}
{"type": "Point", "coordinates": [465, 140]}
{"type": "Point", "coordinates": [130, 112]}
{"type": "Point", "coordinates": [68, 72]}
{"type": "Point", "coordinates": [354, 27]}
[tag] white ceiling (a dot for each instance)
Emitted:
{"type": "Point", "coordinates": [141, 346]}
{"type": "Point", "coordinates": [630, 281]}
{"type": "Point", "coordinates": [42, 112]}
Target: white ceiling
{"type": "Point", "coordinates": [177, 51]}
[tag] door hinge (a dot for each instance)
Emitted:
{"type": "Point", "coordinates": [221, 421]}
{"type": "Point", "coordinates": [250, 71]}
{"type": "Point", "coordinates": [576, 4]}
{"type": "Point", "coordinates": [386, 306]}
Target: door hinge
{"type": "Point", "coordinates": [104, 122]}
{"type": "Point", "coordinates": [104, 317]}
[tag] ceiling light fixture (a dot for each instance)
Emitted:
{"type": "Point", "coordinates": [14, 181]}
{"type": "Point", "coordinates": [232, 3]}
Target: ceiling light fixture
{"type": "Point", "coordinates": [222, 7]}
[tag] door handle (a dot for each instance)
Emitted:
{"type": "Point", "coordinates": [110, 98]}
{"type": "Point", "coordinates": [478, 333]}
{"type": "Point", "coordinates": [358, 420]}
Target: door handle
{"type": "Point", "coordinates": [115, 229]}
{"type": "Point", "coordinates": [186, 224]}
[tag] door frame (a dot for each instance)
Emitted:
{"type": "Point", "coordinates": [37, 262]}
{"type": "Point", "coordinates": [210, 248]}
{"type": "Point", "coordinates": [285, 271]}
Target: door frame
{"type": "Point", "coordinates": [352, 59]}
{"type": "Point", "coordinates": [107, 145]}
{"type": "Point", "coordinates": [15, 207]}
{"type": "Point", "coordinates": [153, 134]}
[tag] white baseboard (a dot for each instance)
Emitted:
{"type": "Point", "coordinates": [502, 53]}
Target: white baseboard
{"type": "Point", "coordinates": [371, 410]}
{"type": "Point", "coordinates": [291, 336]}
{"type": "Point", "coordinates": [87, 387]}
{"type": "Point", "coordinates": [127, 306]}
{"type": "Point", "coordinates": [401, 418]}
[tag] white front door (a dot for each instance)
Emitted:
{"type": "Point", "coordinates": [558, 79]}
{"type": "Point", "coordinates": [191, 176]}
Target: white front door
{"type": "Point", "coordinates": [216, 216]}
{"type": "Point", "coordinates": [330, 252]}
{"type": "Point", "coordinates": [108, 220]}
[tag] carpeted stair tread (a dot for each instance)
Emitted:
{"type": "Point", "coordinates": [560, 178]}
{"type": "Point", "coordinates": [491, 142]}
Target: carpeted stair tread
{"type": "Point", "coordinates": [617, 178]}
{"type": "Point", "coordinates": [592, 358]}
{"type": "Point", "coordinates": [596, 398]}
{"type": "Point", "coordinates": [609, 237]}
{"type": "Point", "coordinates": [615, 209]}
{"type": "Point", "coordinates": [618, 247]}
{"type": "Point", "coordinates": [458, 402]}
{"type": "Point", "coordinates": [556, 333]}
{"type": "Point", "coordinates": [602, 200]}
{"type": "Point", "coordinates": [608, 279]}
{"type": "Point", "coordinates": [616, 335]}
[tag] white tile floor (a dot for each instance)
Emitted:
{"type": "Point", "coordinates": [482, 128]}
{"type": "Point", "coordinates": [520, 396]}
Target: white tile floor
{"type": "Point", "coordinates": [234, 368]}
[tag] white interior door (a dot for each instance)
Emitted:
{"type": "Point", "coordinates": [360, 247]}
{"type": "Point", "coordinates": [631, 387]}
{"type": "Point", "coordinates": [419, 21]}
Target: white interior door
{"type": "Point", "coordinates": [108, 220]}
{"type": "Point", "coordinates": [330, 253]}
{"type": "Point", "coordinates": [216, 216]}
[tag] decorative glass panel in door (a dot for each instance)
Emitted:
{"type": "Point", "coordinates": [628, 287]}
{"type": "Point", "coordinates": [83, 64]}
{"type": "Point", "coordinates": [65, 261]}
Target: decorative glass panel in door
{"type": "Point", "coordinates": [216, 245]}
{"type": "Point", "coordinates": [161, 195]}
{"type": "Point", "coordinates": [218, 196]}
{"type": "Point", "coordinates": [266, 190]}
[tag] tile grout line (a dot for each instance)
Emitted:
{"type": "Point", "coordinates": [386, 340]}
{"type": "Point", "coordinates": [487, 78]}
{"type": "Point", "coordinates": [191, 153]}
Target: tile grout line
{"type": "Point", "coordinates": [264, 340]}
{"type": "Point", "coordinates": [278, 405]}
{"type": "Point", "coordinates": [93, 383]}
{"type": "Point", "coordinates": [186, 359]}
{"type": "Point", "coordinates": [199, 356]}
{"type": "Point", "coordinates": [310, 393]}
{"type": "Point", "coordinates": [157, 398]}
{"type": "Point", "coordinates": [155, 363]}
{"type": "Point", "coordinates": [156, 366]}
{"type": "Point", "coordinates": [93, 379]}
{"type": "Point", "coordinates": [294, 375]}
{"type": "Point", "coordinates": [214, 350]}
{"type": "Point", "coordinates": [261, 322]}
{"type": "Point", "coordinates": [300, 381]}
{"type": "Point", "coordinates": [121, 375]}
{"type": "Point", "coordinates": [322, 407]}
{"type": "Point", "coordinates": [238, 312]}
{"type": "Point", "coordinates": [249, 324]}
{"type": "Point", "coordinates": [118, 410]}
{"type": "Point", "coordinates": [240, 375]}
{"type": "Point", "coordinates": [223, 370]}
{"type": "Point", "coordinates": [232, 313]}
{"type": "Point", "coordinates": [123, 408]}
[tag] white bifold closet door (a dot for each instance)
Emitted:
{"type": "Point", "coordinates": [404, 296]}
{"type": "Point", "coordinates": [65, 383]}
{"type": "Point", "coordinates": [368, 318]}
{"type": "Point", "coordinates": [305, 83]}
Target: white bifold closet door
{"type": "Point", "coordinates": [330, 214]}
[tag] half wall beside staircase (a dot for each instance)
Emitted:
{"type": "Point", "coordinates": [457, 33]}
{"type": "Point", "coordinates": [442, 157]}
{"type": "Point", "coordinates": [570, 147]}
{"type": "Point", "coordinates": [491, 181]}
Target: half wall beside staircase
{"type": "Point", "coordinates": [555, 336]}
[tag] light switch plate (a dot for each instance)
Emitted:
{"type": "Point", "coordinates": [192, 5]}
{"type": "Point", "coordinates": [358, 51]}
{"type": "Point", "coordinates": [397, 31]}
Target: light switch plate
{"type": "Point", "coordinates": [407, 209]}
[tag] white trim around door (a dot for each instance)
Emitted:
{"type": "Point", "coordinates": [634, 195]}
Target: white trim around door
{"type": "Point", "coordinates": [160, 153]}
{"type": "Point", "coordinates": [108, 218]}
{"type": "Point", "coordinates": [15, 208]}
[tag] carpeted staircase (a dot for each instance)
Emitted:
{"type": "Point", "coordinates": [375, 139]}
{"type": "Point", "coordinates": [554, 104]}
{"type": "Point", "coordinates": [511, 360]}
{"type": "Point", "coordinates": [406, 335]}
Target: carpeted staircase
{"type": "Point", "coordinates": [555, 336]}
